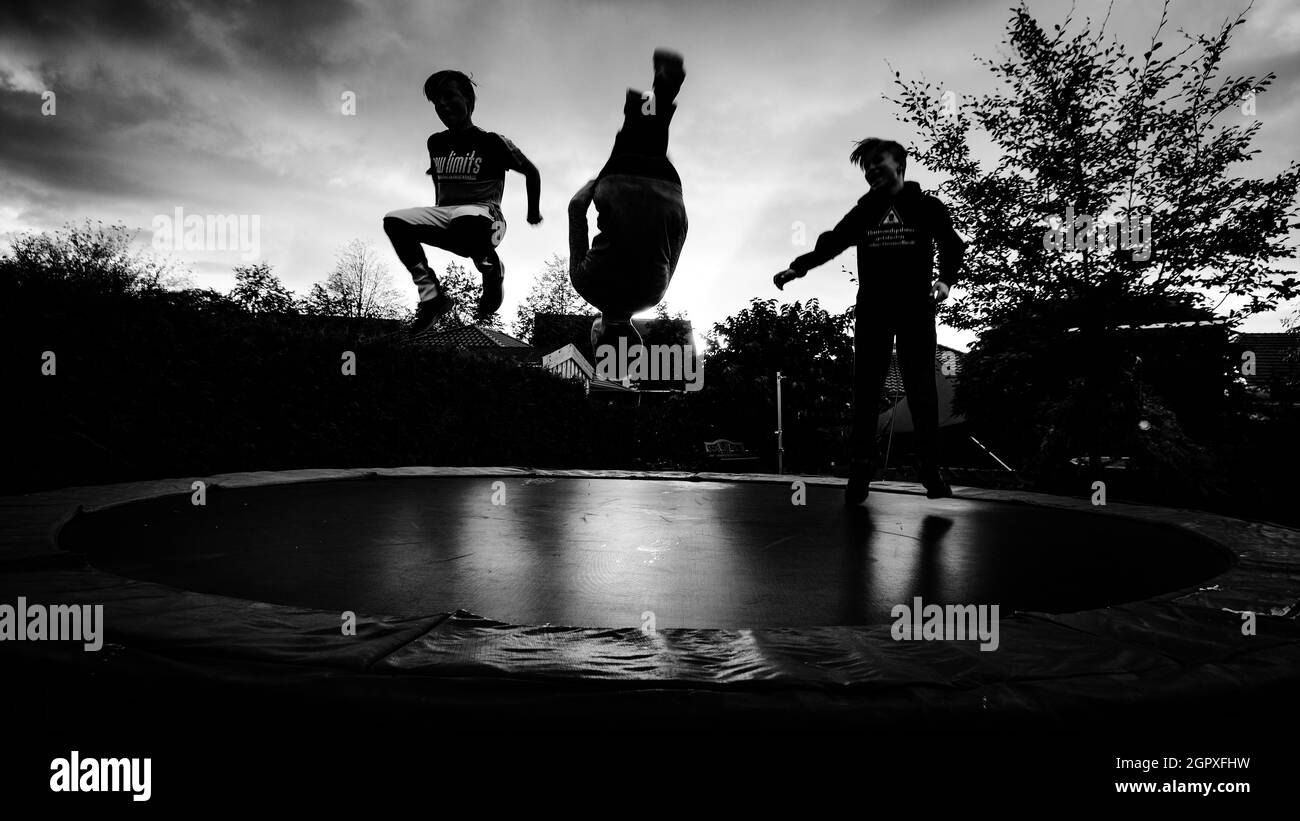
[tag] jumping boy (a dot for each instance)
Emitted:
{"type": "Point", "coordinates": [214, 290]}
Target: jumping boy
{"type": "Point", "coordinates": [640, 216]}
{"type": "Point", "coordinates": [468, 166]}
{"type": "Point", "coordinates": [897, 230]}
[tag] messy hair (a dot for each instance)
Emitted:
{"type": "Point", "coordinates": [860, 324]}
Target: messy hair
{"type": "Point", "coordinates": [863, 150]}
{"type": "Point", "coordinates": [458, 78]}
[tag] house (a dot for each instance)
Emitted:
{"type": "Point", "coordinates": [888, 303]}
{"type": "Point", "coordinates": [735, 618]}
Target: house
{"type": "Point", "coordinates": [569, 363]}
{"type": "Point", "coordinates": [482, 340]}
{"type": "Point", "coordinates": [1269, 363]}
{"type": "Point", "coordinates": [562, 346]}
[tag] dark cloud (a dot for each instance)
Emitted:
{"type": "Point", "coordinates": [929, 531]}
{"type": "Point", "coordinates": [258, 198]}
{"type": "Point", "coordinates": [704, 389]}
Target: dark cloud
{"type": "Point", "coordinates": [97, 142]}
{"type": "Point", "coordinates": [304, 33]}
{"type": "Point", "coordinates": [291, 34]}
{"type": "Point", "coordinates": [140, 76]}
{"type": "Point", "coordinates": [64, 30]}
{"type": "Point", "coordinates": [65, 152]}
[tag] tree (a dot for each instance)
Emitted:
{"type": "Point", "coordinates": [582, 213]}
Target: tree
{"type": "Point", "coordinates": [465, 288]}
{"type": "Point", "coordinates": [258, 290]}
{"type": "Point", "coordinates": [671, 333]}
{"type": "Point", "coordinates": [812, 348]}
{"type": "Point", "coordinates": [321, 302]}
{"type": "Point", "coordinates": [359, 286]}
{"type": "Point", "coordinates": [1113, 186]}
{"type": "Point", "coordinates": [1288, 383]}
{"type": "Point", "coordinates": [552, 293]}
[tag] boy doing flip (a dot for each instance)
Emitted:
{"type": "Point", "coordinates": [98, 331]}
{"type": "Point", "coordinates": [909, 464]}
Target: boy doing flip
{"type": "Point", "coordinates": [640, 215]}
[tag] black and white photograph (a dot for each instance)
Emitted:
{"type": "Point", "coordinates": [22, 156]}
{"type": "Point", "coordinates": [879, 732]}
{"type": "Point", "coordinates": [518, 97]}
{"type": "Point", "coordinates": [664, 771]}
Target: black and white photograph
{"type": "Point", "coordinates": [588, 404]}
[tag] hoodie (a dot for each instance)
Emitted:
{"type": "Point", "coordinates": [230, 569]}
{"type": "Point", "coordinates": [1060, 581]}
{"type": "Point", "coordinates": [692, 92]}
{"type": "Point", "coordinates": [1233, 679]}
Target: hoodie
{"type": "Point", "coordinates": [897, 236]}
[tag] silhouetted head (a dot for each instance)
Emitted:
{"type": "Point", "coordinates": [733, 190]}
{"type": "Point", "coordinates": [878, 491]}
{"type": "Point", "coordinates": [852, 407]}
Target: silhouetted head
{"type": "Point", "coordinates": [883, 163]}
{"type": "Point", "coordinates": [452, 95]}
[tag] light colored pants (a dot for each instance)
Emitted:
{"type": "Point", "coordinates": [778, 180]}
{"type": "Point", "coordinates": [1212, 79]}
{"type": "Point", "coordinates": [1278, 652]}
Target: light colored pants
{"type": "Point", "coordinates": [470, 230]}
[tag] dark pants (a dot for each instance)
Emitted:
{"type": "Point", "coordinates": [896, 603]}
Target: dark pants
{"type": "Point", "coordinates": [911, 321]}
{"type": "Point", "coordinates": [641, 145]}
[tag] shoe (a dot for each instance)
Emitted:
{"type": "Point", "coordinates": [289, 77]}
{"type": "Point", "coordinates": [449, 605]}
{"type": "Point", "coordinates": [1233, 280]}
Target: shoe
{"type": "Point", "coordinates": [428, 312]}
{"type": "Point", "coordinates": [494, 274]}
{"type": "Point", "coordinates": [670, 72]}
{"type": "Point", "coordinates": [859, 486]}
{"type": "Point", "coordinates": [935, 486]}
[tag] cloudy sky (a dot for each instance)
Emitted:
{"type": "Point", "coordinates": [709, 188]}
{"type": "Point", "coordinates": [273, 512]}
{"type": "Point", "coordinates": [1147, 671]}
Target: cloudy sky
{"type": "Point", "coordinates": [221, 107]}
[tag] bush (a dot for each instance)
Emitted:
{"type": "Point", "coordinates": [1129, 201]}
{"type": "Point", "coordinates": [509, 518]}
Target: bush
{"type": "Point", "coordinates": [92, 258]}
{"type": "Point", "coordinates": [160, 383]}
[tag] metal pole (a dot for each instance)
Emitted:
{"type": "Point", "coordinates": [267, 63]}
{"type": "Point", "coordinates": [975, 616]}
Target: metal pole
{"type": "Point", "coordinates": [780, 431]}
{"type": "Point", "coordinates": [991, 453]}
{"type": "Point", "coordinates": [889, 447]}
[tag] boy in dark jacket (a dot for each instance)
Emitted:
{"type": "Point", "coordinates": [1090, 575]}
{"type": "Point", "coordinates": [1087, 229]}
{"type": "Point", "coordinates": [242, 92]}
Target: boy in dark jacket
{"type": "Point", "coordinates": [897, 230]}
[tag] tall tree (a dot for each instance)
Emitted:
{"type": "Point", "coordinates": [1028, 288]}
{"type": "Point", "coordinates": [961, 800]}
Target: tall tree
{"type": "Point", "coordinates": [359, 286]}
{"type": "Point", "coordinates": [552, 293]}
{"type": "Point", "coordinates": [1083, 125]}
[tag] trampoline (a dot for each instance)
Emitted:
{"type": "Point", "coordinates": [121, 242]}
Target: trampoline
{"type": "Point", "coordinates": [608, 552]}
{"type": "Point", "coordinates": [657, 602]}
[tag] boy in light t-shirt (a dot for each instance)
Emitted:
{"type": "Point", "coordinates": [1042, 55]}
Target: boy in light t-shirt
{"type": "Point", "coordinates": [468, 168]}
